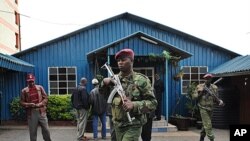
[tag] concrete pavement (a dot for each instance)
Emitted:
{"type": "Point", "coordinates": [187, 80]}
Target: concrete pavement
{"type": "Point", "coordinates": [68, 133]}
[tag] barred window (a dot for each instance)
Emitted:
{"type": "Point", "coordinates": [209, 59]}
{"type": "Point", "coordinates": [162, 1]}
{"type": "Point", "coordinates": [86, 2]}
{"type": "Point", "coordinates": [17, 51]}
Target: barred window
{"type": "Point", "coordinates": [62, 80]}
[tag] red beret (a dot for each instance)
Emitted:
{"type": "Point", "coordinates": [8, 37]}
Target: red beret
{"type": "Point", "coordinates": [125, 53]}
{"type": "Point", "coordinates": [208, 76]}
{"type": "Point", "coordinates": [30, 77]}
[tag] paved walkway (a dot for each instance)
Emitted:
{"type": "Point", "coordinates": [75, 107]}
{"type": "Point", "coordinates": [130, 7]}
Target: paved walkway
{"type": "Point", "coordinates": [60, 133]}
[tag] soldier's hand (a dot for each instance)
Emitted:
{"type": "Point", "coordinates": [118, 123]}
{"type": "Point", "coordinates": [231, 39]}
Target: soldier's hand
{"type": "Point", "coordinates": [108, 81]}
{"type": "Point", "coordinates": [221, 103]}
{"type": "Point", "coordinates": [127, 104]}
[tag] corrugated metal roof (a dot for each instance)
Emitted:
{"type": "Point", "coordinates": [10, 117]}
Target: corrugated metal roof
{"type": "Point", "coordinates": [135, 18]}
{"type": "Point", "coordinates": [12, 63]}
{"type": "Point", "coordinates": [237, 66]}
{"type": "Point", "coordinates": [183, 54]}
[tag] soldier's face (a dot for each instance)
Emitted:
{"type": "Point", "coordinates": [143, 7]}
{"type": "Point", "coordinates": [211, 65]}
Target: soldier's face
{"type": "Point", "coordinates": [209, 80]}
{"type": "Point", "coordinates": [124, 64]}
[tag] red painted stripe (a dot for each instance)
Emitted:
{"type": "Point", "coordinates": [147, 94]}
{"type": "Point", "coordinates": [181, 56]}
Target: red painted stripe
{"type": "Point", "coordinates": [12, 5]}
{"type": "Point", "coordinates": [7, 49]}
{"type": "Point", "coordinates": [9, 26]}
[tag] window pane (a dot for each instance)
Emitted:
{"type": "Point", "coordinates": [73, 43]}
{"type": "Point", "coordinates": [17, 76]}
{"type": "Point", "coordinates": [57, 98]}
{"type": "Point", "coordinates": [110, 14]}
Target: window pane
{"type": "Point", "coordinates": [62, 84]}
{"type": "Point", "coordinates": [53, 91]}
{"type": "Point", "coordinates": [53, 70]}
{"type": "Point", "coordinates": [185, 83]}
{"type": "Point", "coordinates": [194, 76]}
{"type": "Point", "coordinates": [149, 72]}
{"type": "Point", "coordinates": [62, 77]}
{"type": "Point", "coordinates": [62, 70]}
{"type": "Point", "coordinates": [71, 70]}
{"type": "Point", "coordinates": [186, 69]}
{"type": "Point", "coordinates": [151, 80]}
{"type": "Point", "coordinates": [184, 90]}
{"type": "Point", "coordinates": [53, 77]}
{"type": "Point", "coordinates": [62, 91]}
{"type": "Point", "coordinates": [70, 91]}
{"type": "Point", "coordinates": [53, 84]}
{"type": "Point", "coordinates": [71, 77]}
{"type": "Point", "coordinates": [71, 84]}
{"type": "Point", "coordinates": [186, 77]}
{"type": "Point", "coordinates": [143, 72]}
{"type": "Point", "coordinates": [194, 69]}
{"type": "Point", "coordinates": [203, 70]}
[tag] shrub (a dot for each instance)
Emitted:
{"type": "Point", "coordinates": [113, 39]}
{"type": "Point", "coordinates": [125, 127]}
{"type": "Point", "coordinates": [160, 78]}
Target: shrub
{"type": "Point", "coordinates": [58, 108]}
{"type": "Point", "coordinates": [17, 111]}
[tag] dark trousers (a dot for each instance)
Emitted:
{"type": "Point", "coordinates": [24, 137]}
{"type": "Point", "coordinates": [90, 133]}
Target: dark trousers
{"type": "Point", "coordinates": [147, 130]}
{"type": "Point", "coordinates": [158, 109]}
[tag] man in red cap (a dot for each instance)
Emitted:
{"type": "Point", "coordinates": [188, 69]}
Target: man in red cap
{"type": "Point", "coordinates": [138, 101]}
{"type": "Point", "coordinates": [34, 100]}
{"type": "Point", "coordinates": [207, 95]}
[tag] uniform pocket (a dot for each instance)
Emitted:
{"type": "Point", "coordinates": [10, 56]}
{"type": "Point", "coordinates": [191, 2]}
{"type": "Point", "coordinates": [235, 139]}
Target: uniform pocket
{"type": "Point", "coordinates": [117, 111]}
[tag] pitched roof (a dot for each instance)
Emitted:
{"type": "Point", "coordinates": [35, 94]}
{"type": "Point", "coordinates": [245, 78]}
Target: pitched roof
{"type": "Point", "coordinates": [134, 18]}
{"type": "Point", "coordinates": [12, 63]}
{"type": "Point", "coordinates": [237, 66]}
{"type": "Point", "coordinates": [143, 36]}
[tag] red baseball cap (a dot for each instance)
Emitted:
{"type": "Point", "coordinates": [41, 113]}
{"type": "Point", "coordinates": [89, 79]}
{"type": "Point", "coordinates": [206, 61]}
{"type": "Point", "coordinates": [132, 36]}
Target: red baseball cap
{"type": "Point", "coordinates": [207, 76]}
{"type": "Point", "coordinates": [30, 77]}
{"type": "Point", "coordinates": [125, 53]}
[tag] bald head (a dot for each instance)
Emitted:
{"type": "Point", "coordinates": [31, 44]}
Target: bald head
{"type": "Point", "coordinates": [83, 81]}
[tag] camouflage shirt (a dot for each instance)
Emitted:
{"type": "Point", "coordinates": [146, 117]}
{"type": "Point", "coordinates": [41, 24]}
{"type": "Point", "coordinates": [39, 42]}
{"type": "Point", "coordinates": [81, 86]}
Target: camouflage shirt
{"type": "Point", "coordinates": [138, 89]}
{"type": "Point", "coordinates": [205, 100]}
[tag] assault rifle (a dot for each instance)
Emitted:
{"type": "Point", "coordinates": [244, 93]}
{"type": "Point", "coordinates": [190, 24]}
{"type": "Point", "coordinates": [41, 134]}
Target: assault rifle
{"type": "Point", "coordinates": [117, 88]}
{"type": "Point", "coordinates": [213, 93]}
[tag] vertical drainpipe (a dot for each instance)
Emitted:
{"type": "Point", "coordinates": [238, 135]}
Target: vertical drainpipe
{"type": "Point", "coordinates": [108, 59]}
{"type": "Point", "coordinates": [108, 63]}
{"type": "Point", "coordinates": [166, 88]}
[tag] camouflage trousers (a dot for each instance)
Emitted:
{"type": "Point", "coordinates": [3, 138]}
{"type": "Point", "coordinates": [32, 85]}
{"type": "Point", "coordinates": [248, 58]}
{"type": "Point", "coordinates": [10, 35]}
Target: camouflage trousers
{"type": "Point", "coordinates": [129, 133]}
{"type": "Point", "coordinates": [206, 117]}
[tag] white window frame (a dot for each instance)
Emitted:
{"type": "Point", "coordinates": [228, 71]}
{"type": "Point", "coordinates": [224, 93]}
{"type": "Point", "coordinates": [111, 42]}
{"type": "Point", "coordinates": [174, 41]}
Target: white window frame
{"type": "Point", "coordinates": [152, 77]}
{"type": "Point", "coordinates": [192, 76]}
{"type": "Point", "coordinates": [57, 81]}
{"type": "Point", "coordinates": [137, 69]}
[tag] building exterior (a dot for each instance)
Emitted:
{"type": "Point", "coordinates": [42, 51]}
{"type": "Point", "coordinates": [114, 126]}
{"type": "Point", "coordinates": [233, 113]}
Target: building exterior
{"type": "Point", "coordinates": [235, 92]}
{"type": "Point", "coordinates": [9, 27]}
{"type": "Point", "coordinates": [60, 63]}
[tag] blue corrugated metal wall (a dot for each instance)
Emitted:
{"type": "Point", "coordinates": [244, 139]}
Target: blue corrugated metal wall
{"type": "Point", "coordinates": [71, 50]}
{"type": "Point", "coordinates": [11, 84]}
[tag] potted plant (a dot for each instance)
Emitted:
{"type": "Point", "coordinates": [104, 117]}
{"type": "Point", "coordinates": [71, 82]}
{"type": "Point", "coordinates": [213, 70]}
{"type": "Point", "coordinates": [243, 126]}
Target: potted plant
{"type": "Point", "coordinates": [179, 75]}
{"type": "Point", "coordinates": [191, 105]}
{"type": "Point", "coordinates": [180, 121]}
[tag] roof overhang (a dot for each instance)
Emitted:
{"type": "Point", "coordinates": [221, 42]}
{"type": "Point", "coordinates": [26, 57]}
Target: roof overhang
{"type": "Point", "coordinates": [237, 66]}
{"type": "Point", "coordinates": [12, 63]}
{"type": "Point", "coordinates": [143, 36]}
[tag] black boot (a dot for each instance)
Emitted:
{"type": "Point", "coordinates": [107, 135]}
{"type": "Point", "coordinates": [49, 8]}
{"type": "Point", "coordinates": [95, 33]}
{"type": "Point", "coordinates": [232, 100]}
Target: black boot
{"type": "Point", "coordinates": [202, 138]}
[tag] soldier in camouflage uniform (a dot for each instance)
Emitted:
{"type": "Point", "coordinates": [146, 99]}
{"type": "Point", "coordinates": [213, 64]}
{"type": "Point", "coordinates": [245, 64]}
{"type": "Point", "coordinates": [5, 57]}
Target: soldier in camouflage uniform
{"type": "Point", "coordinates": [206, 105]}
{"type": "Point", "coordinates": [139, 98]}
